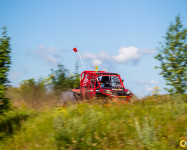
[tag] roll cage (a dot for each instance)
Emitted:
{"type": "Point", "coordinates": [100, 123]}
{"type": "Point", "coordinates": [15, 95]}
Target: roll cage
{"type": "Point", "coordinates": [100, 79]}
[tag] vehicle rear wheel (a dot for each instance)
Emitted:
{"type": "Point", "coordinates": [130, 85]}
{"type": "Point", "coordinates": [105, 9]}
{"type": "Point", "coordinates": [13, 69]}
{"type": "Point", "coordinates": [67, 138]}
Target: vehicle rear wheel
{"type": "Point", "coordinates": [77, 98]}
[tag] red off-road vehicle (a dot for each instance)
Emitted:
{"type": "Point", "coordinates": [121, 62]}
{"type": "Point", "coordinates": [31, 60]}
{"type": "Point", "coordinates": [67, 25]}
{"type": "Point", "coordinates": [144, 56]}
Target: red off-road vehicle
{"type": "Point", "coordinates": [101, 85]}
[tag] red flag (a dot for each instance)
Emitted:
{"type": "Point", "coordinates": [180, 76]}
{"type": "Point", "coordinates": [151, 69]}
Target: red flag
{"type": "Point", "coordinates": [75, 50]}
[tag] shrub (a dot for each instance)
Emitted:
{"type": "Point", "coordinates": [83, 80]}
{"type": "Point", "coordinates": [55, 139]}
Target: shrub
{"type": "Point", "coordinates": [11, 121]}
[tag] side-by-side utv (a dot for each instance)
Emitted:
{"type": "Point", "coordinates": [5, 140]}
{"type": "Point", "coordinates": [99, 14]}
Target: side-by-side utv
{"type": "Point", "coordinates": [97, 85]}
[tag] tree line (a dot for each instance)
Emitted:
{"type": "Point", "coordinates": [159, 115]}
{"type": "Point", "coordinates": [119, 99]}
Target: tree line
{"type": "Point", "coordinates": [57, 81]}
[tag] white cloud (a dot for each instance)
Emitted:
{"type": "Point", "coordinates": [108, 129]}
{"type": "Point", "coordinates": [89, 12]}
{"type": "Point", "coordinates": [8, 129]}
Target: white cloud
{"type": "Point", "coordinates": [96, 59]}
{"type": "Point", "coordinates": [126, 55]}
{"type": "Point", "coordinates": [104, 55]}
{"type": "Point", "coordinates": [47, 54]}
{"type": "Point", "coordinates": [96, 62]}
{"type": "Point", "coordinates": [88, 56]}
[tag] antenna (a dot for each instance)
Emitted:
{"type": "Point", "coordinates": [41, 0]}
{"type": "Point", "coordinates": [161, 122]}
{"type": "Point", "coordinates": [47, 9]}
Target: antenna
{"type": "Point", "coordinates": [76, 51]}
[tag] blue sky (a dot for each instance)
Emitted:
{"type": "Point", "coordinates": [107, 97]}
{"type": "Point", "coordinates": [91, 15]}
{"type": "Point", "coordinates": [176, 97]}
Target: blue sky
{"type": "Point", "coordinates": [120, 36]}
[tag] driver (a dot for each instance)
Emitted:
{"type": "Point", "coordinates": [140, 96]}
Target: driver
{"type": "Point", "coordinates": [106, 81]}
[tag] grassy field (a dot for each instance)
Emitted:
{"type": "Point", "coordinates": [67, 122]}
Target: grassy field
{"type": "Point", "coordinates": [155, 122]}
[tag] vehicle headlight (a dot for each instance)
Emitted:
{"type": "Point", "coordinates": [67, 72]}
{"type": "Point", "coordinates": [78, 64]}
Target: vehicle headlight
{"type": "Point", "coordinates": [128, 93]}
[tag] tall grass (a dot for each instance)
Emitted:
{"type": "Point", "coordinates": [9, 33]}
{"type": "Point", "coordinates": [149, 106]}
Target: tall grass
{"type": "Point", "coordinates": [149, 124]}
{"type": "Point", "coordinates": [11, 121]}
{"type": "Point", "coordinates": [36, 133]}
{"type": "Point", "coordinates": [155, 122]}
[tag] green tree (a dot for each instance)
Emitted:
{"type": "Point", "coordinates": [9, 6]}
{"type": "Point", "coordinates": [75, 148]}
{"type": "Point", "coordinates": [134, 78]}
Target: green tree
{"type": "Point", "coordinates": [61, 80]}
{"type": "Point", "coordinates": [4, 68]}
{"type": "Point", "coordinates": [173, 57]}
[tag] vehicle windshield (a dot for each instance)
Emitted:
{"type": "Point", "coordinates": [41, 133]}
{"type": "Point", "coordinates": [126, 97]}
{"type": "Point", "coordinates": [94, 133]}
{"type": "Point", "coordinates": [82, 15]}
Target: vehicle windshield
{"type": "Point", "coordinates": [110, 81]}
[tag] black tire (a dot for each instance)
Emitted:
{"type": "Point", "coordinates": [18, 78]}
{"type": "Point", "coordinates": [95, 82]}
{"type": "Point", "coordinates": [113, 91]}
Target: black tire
{"type": "Point", "coordinates": [77, 98]}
